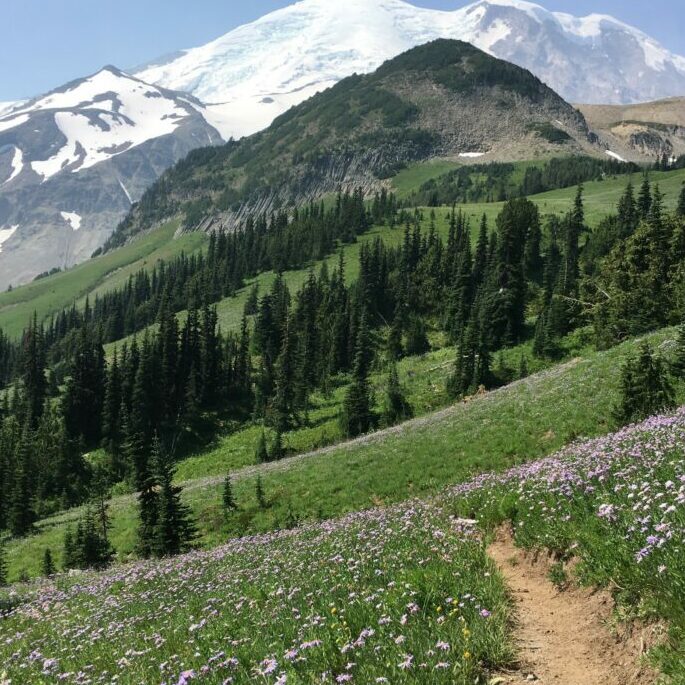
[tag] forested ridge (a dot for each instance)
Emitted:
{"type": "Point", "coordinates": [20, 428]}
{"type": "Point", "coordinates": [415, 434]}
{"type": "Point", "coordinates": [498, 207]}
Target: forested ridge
{"type": "Point", "coordinates": [168, 386]}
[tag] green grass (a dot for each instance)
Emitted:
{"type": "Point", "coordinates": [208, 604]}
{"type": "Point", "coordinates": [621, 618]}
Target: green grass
{"type": "Point", "coordinates": [414, 176]}
{"type": "Point", "coordinates": [513, 425]}
{"type": "Point", "coordinates": [52, 294]}
{"type": "Point", "coordinates": [601, 197]}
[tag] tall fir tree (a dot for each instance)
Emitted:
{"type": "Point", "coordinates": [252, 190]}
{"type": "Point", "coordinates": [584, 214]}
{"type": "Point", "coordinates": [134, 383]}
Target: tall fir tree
{"type": "Point", "coordinates": [357, 417]}
{"type": "Point", "coordinates": [174, 529]}
{"type": "Point", "coordinates": [646, 389]}
{"type": "Point", "coordinates": [396, 408]}
{"type": "Point", "coordinates": [48, 567]}
{"type": "Point", "coordinates": [644, 199]}
{"type": "Point", "coordinates": [228, 502]}
{"type": "Point", "coordinates": [680, 210]}
{"type": "Point", "coordinates": [34, 380]}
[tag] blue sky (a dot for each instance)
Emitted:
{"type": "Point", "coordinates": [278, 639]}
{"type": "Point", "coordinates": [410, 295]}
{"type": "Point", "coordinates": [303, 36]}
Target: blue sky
{"type": "Point", "coordinates": [48, 42]}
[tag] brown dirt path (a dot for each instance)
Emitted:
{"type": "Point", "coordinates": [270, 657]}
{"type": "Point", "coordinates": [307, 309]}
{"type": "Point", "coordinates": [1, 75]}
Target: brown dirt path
{"type": "Point", "coordinates": [563, 637]}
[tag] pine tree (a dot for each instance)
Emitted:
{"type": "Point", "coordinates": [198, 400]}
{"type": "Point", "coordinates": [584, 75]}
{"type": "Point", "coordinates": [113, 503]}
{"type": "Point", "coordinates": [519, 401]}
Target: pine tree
{"type": "Point", "coordinates": [3, 565]}
{"type": "Point", "coordinates": [48, 565]}
{"type": "Point", "coordinates": [252, 302]}
{"type": "Point", "coordinates": [628, 217]}
{"type": "Point", "coordinates": [174, 529]}
{"type": "Point", "coordinates": [227, 498]}
{"type": "Point", "coordinates": [417, 339]}
{"type": "Point", "coordinates": [261, 453]}
{"type": "Point", "coordinates": [33, 372]}
{"type": "Point", "coordinates": [69, 553]}
{"type": "Point", "coordinates": [644, 199]}
{"type": "Point", "coordinates": [21, 515]}
{"type": "Point", "coordinates": [680, 211]}
{"type": "Point", "coordinates": [394, 344]}
{"type": "Point", "coordinates": [259, 493]}
{"type": "Point", "coordinates": [396, 407]}
{"type": "Point", "coordinates": [276, 453]}
{"type": "Point", "coordinates": [284, 399]}
{"type": "Point", "coordinates": [356, 417]}
{"type": "Point", "coordinates": [645, 387]}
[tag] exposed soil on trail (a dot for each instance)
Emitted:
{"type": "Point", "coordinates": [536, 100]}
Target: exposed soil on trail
{"type": "Point", "coordinates": [565, 638]}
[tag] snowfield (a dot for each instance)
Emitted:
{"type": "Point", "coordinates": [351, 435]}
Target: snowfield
{"type": "Point", "coordinates": [6, 234]}
{"type": "Point", "coordinates": [100, 117]}
{"type": "Point", "coordinates": [258, 71]}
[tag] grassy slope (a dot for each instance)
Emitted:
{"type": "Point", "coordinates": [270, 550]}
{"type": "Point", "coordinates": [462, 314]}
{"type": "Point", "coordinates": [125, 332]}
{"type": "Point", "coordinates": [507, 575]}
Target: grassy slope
{"type": "Point", "coordinates": [516, 424]}
{"type": "Point", "coordinates": [51, 294]}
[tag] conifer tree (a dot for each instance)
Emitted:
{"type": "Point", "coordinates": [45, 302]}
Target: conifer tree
{"type": "Point", "coordinates": [628, 217]}
{"type": "Point", "coordinates": [69, 554]}
{"type": "Point", "coordinates": [356, 417]}
{"type": "Point", "coordinates": [417, 339]}
{"type": "Point", "coordinates": [21, 515]}
{"type": "Point", "coordinates": [394, 344]}
{"type": "Point", "coordinates": [259, 493]}
{"type": "Point", "coordinates": [174, 529]}
{"type": "Point", "coordinates": [227, 498]}
{"type": "Point", "coordinates": [396, 408]}
{"type": "Point", "coordinates": [276, 453]}
{"type": "Point", "coordinates": [3, 565]}
{"type": "Point", "coordinates": [644, 199]}
{"type": "Point", "coordinates": [261, 453]}
{"type": "Point", "coordinates": [34, 380]}
{"type": "Point", "coordinates": [645, 387]}
{"type": "Point", "coordinates": [48, 565]}
{"type": "Point", "coordinates": [284, 399]}
{"type": "Point", "coordinates": [680, 210]}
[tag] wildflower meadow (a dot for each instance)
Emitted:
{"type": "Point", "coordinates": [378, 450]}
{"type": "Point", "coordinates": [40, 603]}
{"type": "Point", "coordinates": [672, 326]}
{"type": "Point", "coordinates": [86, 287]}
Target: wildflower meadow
{"type": "Point", "coordinates": [404, 594]}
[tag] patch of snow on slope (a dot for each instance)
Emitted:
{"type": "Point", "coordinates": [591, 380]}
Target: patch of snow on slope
{"type": "Point", "coordinates": [12, 122]}
{"type": "Point", "coordinates": [6, 234]}
{"type": "Point", "coordinates": [615, 156]}
{"type": "Point", "coordinates": [17, 164]}
{"type": "Point", "coordinates": [471, 155]}
{"type": "Point", "coordinates": [73, 219]}
{"type": "Point", "coordinates": [123, 187]}
{"type": "Point", "coordinates": [139, 113]}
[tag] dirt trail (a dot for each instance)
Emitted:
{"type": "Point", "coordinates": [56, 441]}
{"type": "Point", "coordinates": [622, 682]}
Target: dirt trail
{"type": "Point", "coordinates": [564, 638]}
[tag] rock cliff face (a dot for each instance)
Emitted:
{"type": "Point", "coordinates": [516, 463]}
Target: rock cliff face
{"type": "Point", "coordinates": [642, 132]}
{"type": "Point", "coordinates": [443, 99]}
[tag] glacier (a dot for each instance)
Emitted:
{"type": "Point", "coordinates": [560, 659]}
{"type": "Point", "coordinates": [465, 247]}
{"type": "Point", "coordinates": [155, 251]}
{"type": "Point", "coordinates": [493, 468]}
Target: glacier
{"type": "Point", "coordinates": [256, 72]}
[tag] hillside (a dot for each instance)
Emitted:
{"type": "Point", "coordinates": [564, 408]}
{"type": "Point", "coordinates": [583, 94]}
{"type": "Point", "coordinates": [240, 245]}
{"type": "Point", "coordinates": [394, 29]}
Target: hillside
{"type": "Point", "coordinates": [389, 467]}
{"type": "Point", "coordinates": [103, 274]}
{"type": "Point", "coordinates": [650, 129]}
{"type": "Point", "coordinates": [444, 99]}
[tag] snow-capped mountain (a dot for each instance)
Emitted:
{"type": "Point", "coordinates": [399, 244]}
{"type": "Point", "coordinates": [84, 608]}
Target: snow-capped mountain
{"type": "Point", "coordinates": [256, 72]}
{"type": "Point", "coordinates": [73, 161]}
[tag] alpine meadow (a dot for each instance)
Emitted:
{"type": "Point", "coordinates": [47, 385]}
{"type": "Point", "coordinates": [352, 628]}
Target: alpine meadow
{"type": "Point", "coordinates": [348, 347]}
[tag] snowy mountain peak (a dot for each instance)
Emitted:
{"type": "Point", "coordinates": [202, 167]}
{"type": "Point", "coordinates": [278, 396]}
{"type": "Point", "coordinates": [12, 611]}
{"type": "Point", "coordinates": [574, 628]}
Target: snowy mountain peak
{"type": "Point", "coordinates": [73, 161]}
{"type": "Point", "coordinates": [96, 118]}
{"type": "Point", "coordinates": [259, 70]}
